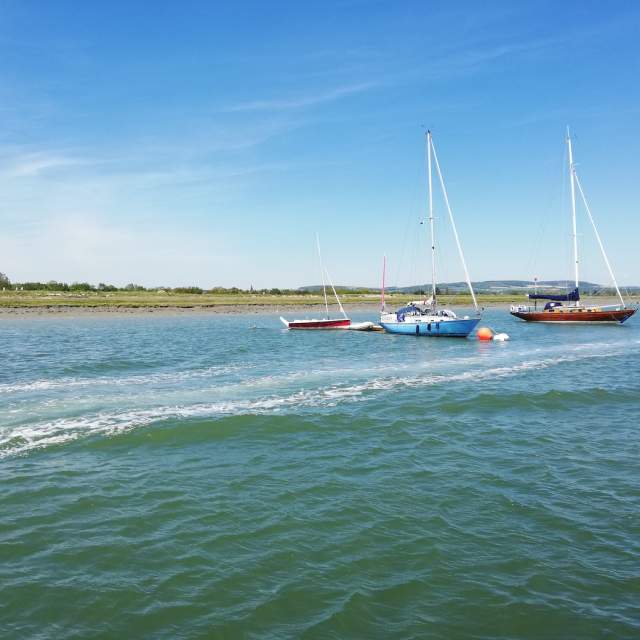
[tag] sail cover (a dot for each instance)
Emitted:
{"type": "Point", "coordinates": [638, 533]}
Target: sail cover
{"type": "Point", "coordinates": [408, 309]}
{"type": "Point", "coordinates": [572, 296]}
{"type": "Point", "coordinates": [400, 313]}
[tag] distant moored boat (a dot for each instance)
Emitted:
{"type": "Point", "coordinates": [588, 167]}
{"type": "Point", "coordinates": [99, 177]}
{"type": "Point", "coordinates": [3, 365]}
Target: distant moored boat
{"type": "Point", "coordinates": [326, 322]}
{"type": "Point", "coordinates": [554, 310]}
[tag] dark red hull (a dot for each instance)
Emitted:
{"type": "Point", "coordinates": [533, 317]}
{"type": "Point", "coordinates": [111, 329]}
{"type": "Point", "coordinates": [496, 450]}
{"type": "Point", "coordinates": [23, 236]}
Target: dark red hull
{"type": "Point", "coordinates": [575, 315]}
{"type": "Point", "coordinates": [342, 323]}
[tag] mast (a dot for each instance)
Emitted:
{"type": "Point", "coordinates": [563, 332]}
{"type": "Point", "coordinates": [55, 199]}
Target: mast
{"type": "Point", "coordinates": [595, 229]}
{"type": "Point", "coordinates": [453, 226]}
{"type": "Point", "coordinates": [324, 287]}
{"type": "Point", "coordinates": [572, 175]}
{"type": "Point", "coordinates": [433, 241]}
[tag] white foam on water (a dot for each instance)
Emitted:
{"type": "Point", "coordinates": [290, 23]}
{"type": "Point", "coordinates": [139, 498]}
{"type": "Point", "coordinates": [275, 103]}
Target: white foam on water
{"type": "Point", "coordinates": [22, 439]}
{"type": "Point", "coordinates": [140, 379]}
{"type": "Point", "coordinates": [217, 372]}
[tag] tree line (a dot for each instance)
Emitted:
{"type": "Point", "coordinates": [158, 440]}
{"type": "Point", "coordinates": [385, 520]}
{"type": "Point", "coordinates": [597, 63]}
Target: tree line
{"type": "Point", "coordinates": [79, 287]}
{"type": "Point", "coordinates": [64, 287]}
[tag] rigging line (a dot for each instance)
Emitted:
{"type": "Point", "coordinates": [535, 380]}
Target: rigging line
{"type": "Point", "coordinates": [595, 229]}
{"type": "Point", "coordinates": [544, 219]}
{"type": "Point", "coordinates": [410, 271]}
{"type": "Point", "coordinates": [384, 273]}
{"type": "Point", "coordinates": [335, 294]}
{"type": "Point", "coordinates": [453, 226]}
{"type": "Point", "coordinates": [564, 210]}
{"type": "Point", "coordinates": [324, 288]}
{"type": "Point", "coordinates": [572, 175]}
{"type": "Point", "coordinates": [433, 241]}
{"type": "Point", "coordinates": [399, 265]}
{"type": "Point", "coordinates": [400, 268]}
{"type": "Point", "coordinates": [567, 257]}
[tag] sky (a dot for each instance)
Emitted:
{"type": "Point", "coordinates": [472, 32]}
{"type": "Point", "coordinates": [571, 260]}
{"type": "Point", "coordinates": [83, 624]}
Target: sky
{"type": "Point", "coordinates": [205, 143]}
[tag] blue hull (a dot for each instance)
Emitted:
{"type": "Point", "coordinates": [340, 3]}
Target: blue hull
{"type": "Point", "coordinates": [446, 328]}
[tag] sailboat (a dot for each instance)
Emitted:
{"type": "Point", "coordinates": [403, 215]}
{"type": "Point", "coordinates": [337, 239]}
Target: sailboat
{"type": "Point", "coordinates": [327, 322]}
{"type": "Point", "coordinates": [426, 318]}
{"type": "Point", "coordinates": [554, 310]}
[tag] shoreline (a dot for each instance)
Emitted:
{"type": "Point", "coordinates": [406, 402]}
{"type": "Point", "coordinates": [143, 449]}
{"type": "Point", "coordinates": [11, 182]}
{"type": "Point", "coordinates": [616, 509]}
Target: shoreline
{"type": "Point", "coordinates": [63, 310]}
{"type": "Point", "coordinates": [157, 310]}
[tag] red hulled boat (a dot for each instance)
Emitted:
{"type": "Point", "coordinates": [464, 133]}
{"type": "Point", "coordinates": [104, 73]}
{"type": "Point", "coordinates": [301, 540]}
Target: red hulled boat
{"type": "Point", "coordinates": [560, 313]}
{"type": "Point", "coordinates": [574, 312]}
{"type": "Point", "coordinates": [339, 323]}
{"type": "Point", "coordinates": [326, 322]}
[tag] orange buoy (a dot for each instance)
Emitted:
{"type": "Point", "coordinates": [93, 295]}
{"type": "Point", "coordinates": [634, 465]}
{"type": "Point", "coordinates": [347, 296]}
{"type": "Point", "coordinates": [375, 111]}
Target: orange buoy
{"type": "Point", "coordinates": [484, 333]}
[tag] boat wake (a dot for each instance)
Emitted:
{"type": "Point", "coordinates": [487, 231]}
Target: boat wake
{"type": "Point", "coordinates": [171, 377]}
{"type": "Point", "coordinates": [20, 439]}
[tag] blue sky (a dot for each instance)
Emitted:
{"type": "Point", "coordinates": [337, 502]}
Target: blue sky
{"type": "Point", "coordinates": [205, 143]}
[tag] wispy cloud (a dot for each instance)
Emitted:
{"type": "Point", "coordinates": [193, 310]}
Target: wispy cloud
{"type": "Point", "coordinates": [483, 47]}
{"type": "Point", "coordinates": [568, 114]}
{"type": "Point", "coordinates": [303, 101]}
{"type": "Point", "coordinates": [28, 165]}
{"type": "Point", "coordinates": [482, 56]}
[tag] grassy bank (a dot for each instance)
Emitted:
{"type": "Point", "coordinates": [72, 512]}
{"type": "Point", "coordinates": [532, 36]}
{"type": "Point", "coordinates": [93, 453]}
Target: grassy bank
{"type": "Point", "coordinates": [152, 299]}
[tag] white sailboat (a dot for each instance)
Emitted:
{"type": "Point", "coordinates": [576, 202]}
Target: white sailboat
{"type": "Point", "coordinates": [425, 318]}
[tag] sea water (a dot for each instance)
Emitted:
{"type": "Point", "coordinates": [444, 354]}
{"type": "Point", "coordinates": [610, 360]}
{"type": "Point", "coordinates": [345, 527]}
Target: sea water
{"type": "Point", "coordinates": [207, 476]}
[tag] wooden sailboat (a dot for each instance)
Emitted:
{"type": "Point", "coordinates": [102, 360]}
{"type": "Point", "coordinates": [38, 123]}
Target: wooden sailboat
{"type": "Point", "coordinates": [327, 322]}
{"type": "Point", "coordinates": [573, 312]}
{"type": "Point", "coordinates": [426, 318]}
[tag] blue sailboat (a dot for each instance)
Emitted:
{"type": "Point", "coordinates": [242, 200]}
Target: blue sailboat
{"type": "Point", "coordinates": [425, 318]}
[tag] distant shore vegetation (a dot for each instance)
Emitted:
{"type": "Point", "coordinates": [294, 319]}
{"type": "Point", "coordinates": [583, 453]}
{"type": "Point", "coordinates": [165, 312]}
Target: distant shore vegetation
{"type": "Point", "coordinates": [101, 287]}
{"type": "Point", "coordinates": [53, 286]}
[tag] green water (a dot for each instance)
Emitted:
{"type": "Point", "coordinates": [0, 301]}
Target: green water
{"type": "Point", "coordinates": [218, 477]}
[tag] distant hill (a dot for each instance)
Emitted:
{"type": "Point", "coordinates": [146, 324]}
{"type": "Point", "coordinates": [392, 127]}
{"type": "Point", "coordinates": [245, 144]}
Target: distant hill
{"type": "Point", "coordinates": [507, 286]}
{"type": "Point", "coordinates": [488, 286]}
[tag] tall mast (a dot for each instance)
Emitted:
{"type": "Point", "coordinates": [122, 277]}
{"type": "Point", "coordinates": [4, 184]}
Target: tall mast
{"type": "Point", "coordinates": [324, 287]}
{"type": "Point", "coordinates": [433, 241]}
{"type": "Point", "coordinates": [453, 226]}
{"type": "Point", "coordinates": [572, 174]}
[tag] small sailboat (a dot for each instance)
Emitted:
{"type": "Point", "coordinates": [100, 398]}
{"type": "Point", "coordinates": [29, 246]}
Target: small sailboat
{"type": "Point", "coordinates": [426, 318]}
{"type": "Point", "coordinates": [573, 312]}
{"type": "Point", "coordinates": [327, 322]}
